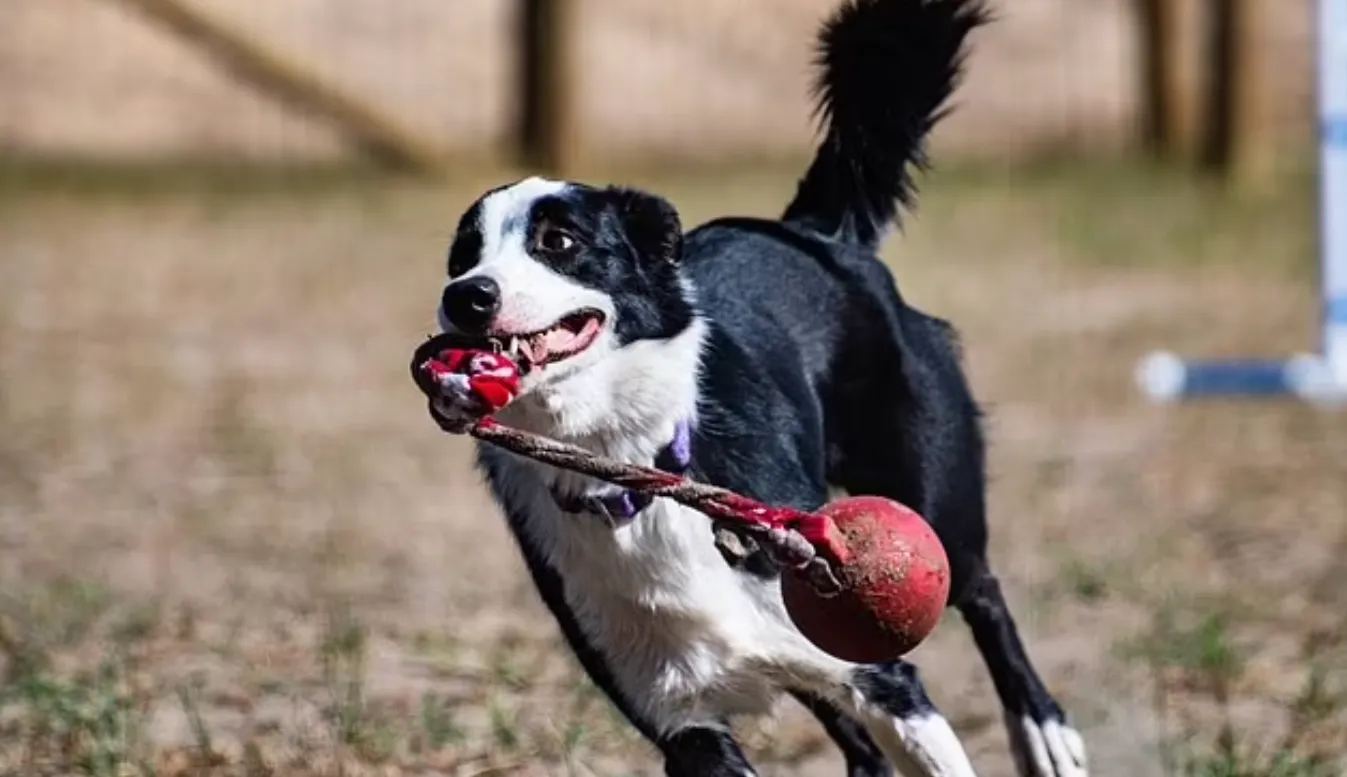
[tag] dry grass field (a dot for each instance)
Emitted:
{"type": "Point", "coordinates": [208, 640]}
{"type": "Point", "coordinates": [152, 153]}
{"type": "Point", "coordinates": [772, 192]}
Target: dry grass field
{"type": "Point", "coordinates": [231, 543]}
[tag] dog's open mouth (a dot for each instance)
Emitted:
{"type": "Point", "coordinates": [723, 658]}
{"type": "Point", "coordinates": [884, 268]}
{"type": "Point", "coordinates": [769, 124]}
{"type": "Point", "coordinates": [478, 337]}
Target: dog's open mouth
{"type": "Point", "coordinates": [567, 338]}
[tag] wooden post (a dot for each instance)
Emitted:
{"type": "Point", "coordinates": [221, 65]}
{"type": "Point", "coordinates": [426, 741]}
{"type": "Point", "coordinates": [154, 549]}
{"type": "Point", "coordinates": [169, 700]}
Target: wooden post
{"type": "Point", "coordinates": [547, 132]}
{"type": "Point", "coordinates": [1232, 146]}
{"type": "Point", "coordinates": [1161, 81]}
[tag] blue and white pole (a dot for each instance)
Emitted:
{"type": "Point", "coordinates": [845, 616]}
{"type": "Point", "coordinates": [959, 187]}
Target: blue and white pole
{"type": "Point", "coordinates": [1333, 113]}
{"type": "Point", "coordinates": [1320, 378]}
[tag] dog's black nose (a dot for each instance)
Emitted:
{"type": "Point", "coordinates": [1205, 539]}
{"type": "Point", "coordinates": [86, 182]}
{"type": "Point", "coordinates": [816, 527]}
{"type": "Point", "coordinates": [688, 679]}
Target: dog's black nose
{"type": "Point", "coordinates": [470, 304]}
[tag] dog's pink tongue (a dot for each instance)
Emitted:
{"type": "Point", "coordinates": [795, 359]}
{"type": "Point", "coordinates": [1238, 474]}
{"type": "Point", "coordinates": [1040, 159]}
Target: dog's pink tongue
{"type": "Point", "coordinates": [560, 341]}
{"type": "Point", "coordinates": [555, 341]}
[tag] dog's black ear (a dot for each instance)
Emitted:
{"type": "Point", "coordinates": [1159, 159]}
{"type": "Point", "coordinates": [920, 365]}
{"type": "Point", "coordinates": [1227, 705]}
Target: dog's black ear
{"type": "Point", "coordinates": [652, 225]}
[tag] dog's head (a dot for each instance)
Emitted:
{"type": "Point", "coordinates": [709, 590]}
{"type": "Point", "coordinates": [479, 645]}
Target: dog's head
{"type": "Point", "coordinates": [565, 277]}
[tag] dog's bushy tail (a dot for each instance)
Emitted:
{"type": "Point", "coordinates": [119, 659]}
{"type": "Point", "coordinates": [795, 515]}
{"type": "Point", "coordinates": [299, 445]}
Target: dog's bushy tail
{"type": "Point", "coordinates": [886, 68]}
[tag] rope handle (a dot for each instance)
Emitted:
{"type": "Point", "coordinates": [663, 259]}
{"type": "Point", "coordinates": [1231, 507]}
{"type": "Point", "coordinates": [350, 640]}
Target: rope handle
{"type": "Point", "coordinates": [488, 380]}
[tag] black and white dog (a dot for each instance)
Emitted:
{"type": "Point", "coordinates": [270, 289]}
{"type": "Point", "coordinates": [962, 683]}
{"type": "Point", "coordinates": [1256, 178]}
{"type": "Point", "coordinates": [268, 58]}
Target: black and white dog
{"type": "Point", "coordinates": [772, 357]}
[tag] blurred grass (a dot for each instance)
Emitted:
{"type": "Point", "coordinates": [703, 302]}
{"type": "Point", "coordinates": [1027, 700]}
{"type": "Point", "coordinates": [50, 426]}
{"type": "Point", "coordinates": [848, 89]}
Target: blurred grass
{"type": "Point", "coordinates": [1111, 212]}
{"type": "Point", "coordinates": [27, 176]}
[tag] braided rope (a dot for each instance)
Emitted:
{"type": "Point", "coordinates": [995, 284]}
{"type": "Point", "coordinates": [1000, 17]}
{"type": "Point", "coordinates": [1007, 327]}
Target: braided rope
{"type": "Point", "coordinates": [797, 540]}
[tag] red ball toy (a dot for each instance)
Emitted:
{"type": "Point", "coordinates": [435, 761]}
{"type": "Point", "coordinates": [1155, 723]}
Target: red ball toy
{"type": "Point", "coordinates": [895, 583]}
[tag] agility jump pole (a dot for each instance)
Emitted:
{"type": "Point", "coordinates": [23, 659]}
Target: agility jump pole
{"type": "Point", "coordinates": [1321, 377]}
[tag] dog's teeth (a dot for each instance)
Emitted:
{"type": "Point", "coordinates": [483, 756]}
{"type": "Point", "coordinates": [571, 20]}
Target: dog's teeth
{"type": "Point", "coordinates": [540, 346]}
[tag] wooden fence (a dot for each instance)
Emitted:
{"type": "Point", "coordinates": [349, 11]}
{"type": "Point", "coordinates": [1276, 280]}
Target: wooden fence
{"type": "Point", "coordinates": [1220, 83]}
{"type": "Point", "coordinates": [1217, 118]}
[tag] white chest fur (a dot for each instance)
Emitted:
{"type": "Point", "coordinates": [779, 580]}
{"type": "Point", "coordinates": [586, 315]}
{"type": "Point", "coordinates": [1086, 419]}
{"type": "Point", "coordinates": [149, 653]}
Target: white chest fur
{"type": "Point", "coordinates": [688, 638]}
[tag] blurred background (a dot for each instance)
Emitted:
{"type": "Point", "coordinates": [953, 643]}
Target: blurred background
{"type": "Point", "coordinates": [231, 543]}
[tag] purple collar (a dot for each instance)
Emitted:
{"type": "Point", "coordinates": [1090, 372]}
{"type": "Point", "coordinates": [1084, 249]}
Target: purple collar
{"type": "Point", "coordinates": [620, 507]}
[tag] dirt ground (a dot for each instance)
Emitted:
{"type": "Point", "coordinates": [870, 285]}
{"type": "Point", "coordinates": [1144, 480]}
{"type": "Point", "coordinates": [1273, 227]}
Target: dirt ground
{"type": "Point", "coordinates": [232, 543]}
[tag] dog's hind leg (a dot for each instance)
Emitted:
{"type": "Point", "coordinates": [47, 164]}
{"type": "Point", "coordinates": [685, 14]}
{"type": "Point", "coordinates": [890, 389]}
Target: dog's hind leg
{"type": "Point", "coordinates": [1043, 743]}
{"type": "Point", "coordinates": [914, 436]}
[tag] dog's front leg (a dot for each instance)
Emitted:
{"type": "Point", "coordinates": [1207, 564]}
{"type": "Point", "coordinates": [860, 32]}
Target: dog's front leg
{"type": "Point", "coordinates": [704, 751]}
{"type": "Point", "coordinates": [890, 702]}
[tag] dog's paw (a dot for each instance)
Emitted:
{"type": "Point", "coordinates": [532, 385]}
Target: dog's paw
{"type": "Point", "coordinates": [1048, 748]}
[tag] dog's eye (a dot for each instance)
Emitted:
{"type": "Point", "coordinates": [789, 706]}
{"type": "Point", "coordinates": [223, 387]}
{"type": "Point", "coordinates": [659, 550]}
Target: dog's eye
{"type": "Point", "coordinates": [556, 240]}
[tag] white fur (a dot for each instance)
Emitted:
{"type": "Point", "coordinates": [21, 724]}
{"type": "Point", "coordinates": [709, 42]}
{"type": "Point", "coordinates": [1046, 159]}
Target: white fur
{"type": "Point", "coordinates": [689, 639]}
{"type": "Point", "coordinates": [1049, 749]}
{"type": "Point", "coordinates": [928, 744]}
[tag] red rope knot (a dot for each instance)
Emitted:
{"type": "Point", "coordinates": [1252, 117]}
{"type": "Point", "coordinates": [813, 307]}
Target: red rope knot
{"type": "Point", "coordinates": [491, 378]}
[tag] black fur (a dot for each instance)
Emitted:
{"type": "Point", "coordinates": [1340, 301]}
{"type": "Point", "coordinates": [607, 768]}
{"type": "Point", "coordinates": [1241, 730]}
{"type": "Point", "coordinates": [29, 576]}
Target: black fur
{"type": "Point", "coordinates": [704, 751]}
{"type": "Point", "coordinates": [466, 249]}
{"type": "Point", "coordinates": [886, 70]}
{"type": "Point", "coordinates": [863, 757]}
